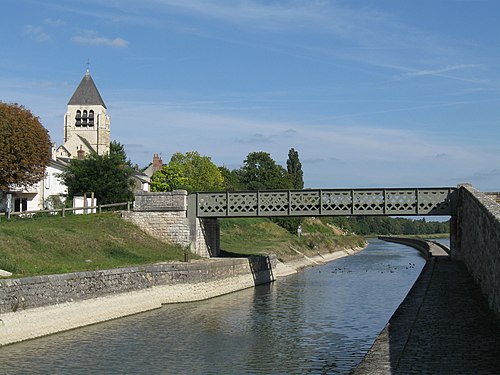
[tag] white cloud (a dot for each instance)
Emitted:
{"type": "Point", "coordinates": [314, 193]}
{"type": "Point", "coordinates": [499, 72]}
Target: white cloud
{"type": "Point", "coordinates": [91, 38]}
{"type": "Point", "coordinates": [36, 32]}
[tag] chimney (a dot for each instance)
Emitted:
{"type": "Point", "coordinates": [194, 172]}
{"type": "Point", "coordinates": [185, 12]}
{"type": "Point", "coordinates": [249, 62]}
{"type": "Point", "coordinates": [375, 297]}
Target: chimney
{"type": "Point", "coordinates": [80, 154]}
{"type": "Point", "coordinates": [157, 163]}
{"type": "Point", "coordinates": [53, 151]}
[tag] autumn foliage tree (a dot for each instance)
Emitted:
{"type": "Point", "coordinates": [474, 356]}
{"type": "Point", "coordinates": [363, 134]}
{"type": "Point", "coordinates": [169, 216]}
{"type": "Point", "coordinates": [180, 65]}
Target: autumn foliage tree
{"type": "Point", "coordinates": [25, 147]}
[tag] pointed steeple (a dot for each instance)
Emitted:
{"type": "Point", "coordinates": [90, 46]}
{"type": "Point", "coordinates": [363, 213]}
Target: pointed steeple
{"type": "Point", "coordinates": [86, 93]}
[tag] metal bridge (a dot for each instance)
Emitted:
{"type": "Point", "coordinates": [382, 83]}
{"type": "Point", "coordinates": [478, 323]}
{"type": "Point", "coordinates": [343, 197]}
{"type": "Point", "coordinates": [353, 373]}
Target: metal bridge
{"type": "Point", "coordinates": [326, 202]}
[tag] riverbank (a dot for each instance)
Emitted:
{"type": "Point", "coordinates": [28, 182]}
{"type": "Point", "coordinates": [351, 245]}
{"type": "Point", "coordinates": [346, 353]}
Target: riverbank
{"type": "Point", "coordinates": [184, 282]}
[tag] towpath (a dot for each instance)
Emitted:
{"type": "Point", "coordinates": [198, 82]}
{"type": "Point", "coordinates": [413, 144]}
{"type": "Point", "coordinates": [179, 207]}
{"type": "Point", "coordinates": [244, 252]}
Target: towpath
{"type": "Point", "coordinates": [443, 326]}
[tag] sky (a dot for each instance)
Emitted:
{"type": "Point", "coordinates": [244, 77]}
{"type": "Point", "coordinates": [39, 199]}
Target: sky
{"type": "Point", "coordinates": [385, 93]}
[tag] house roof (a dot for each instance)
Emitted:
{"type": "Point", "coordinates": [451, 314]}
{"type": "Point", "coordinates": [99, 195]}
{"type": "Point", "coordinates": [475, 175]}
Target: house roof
{"type": "Point", "coordinates": [86, 93]}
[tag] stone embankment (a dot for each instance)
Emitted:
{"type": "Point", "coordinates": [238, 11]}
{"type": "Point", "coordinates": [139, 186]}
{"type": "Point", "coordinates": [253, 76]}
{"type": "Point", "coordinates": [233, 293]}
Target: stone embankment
{"type": "Point", "coordinates": [443, 326]}
{"type": "Point", "coordinates": [36, 306]}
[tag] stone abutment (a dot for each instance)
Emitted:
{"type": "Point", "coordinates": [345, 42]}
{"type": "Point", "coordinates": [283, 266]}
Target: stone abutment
{"type": "Point", "coordinates": [165, 217]}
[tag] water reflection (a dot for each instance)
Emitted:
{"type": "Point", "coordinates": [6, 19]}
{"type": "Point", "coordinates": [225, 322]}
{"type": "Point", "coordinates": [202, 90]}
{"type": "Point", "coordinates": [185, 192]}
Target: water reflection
{"type": "Point", "coordinates": [322, 320]}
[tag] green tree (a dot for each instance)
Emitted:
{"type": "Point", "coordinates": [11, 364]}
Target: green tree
{"type": "Point", "coordinates": [25, 147]}
{"type": "Point", "coordinates": [107, 176]}
{"type": "Point", "coordinates": [231, 179]}
{"type": "Point", "coordinates": [201, 173]}
{"type": "Point", "coordinates": [168, 178]}
{"type": "Point", "coordinates": [294, 169]}
{"type": "Point", "coordinates": [260, 172]}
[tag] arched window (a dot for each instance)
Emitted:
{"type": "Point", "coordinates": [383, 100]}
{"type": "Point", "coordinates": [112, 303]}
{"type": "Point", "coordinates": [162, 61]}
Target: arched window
{"type": "Point", "coordinates": [91, 118]}
{"type": "Point", "coordinates": [78, 118]}
{"type": "Point", "coordinates": [84, 118]}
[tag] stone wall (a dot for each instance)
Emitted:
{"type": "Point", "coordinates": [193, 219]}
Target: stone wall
{"type": "Point", "coordinates": [478, 241]}
{"type": "Point", "coordinates": [165, 216]}
{"type": "Point", "coordinates": [32, 292]}
{"type": "Point", "coordinates": [171, 227]}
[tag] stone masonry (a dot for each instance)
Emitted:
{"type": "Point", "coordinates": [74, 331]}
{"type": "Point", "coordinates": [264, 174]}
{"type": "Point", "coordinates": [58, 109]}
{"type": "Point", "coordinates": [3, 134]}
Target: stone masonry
{"type": "Point", "coordinates": [31, 292]}
{"type": "Point", "coordinates": [165, 216]}
{"type": "Point", "coordinates": [478, 241]}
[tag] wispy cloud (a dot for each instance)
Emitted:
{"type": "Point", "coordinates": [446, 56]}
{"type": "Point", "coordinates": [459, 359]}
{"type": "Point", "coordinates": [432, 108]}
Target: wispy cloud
{"type": "Point", "coordinates": [296, 16]}
{"type": "Point", "coordinates": [91, 38]}
{"type": "Point", "coordinates": [40, 33]}
{"type": "Point", "coordinates": [439, 71]}
{"type": "Point", "coordinates": [36, 32]}
{"type": "Point", "coordinates": [255, 139]}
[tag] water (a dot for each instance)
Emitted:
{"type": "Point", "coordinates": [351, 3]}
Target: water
{"type": "Point", "coordinates": [320, 321]}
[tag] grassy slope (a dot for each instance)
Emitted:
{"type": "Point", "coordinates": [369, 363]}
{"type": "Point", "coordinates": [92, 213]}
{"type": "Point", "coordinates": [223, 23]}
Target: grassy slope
{"type": "Point", "coordinates": [49, 245]}
{"type": "Point", "coordinates": [251, 236]}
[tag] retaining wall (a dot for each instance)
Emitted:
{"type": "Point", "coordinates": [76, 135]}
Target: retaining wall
{"type": "Point", "coordinates": [478, 241]}
{"type": "Point", "coordinates": [32, 292]}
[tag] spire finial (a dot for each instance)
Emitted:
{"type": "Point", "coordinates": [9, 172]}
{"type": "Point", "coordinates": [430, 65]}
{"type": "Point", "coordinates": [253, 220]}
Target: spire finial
{"type": "Point", "coordinates": [88, 66]}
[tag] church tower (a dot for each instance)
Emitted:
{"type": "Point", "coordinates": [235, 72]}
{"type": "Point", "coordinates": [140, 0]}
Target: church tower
{"type": "Point", "coordinates": [86, 123]}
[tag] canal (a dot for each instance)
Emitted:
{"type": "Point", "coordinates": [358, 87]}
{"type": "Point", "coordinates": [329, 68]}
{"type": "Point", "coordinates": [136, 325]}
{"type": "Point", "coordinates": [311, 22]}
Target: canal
{"type": "Point", "coordinates": [321, 321]}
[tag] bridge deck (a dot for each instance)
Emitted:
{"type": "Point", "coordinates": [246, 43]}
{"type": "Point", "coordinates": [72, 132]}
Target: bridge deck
{"type": "Point", "coordinates": [326, 202]}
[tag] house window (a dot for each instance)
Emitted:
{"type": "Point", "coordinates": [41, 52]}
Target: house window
{"type": "Point", "coordinates": [91, 118]}
{"type": "Point", "coordinates": [78, 118]}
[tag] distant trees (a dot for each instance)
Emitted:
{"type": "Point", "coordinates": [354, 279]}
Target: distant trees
{"type": "Point", "coordinates": [107, 176]}
{"type": "Point", "coordinates": [25, 147]}
{"type": "Point", "coordinates": [374, 225]}
{"type": "Point", "coordinates": [194, 172]}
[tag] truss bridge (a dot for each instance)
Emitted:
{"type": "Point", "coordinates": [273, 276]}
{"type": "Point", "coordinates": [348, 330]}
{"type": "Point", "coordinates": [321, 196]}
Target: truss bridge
{"type": "Point", "coordinates": [325, 202]}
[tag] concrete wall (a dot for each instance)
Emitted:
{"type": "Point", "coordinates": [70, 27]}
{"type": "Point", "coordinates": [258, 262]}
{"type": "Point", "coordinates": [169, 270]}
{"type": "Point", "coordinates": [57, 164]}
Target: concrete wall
{"type": "Point", "coordinates": [477, 241]}
{"type": "Point", "coordinates": [165, 216]}
{"type": "Point", "coordinates": [32, 292]}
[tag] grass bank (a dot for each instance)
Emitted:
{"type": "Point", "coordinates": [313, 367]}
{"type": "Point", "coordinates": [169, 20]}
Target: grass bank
{"type": "Point", "coordinates": [54, 244]}
{"type": "Point", "coordinates": [257, 236]}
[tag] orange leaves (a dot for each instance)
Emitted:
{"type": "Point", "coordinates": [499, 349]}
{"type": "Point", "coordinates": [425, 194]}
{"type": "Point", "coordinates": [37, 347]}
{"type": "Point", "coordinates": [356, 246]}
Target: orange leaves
{"type": "Point", "coordinates": [24, 147]}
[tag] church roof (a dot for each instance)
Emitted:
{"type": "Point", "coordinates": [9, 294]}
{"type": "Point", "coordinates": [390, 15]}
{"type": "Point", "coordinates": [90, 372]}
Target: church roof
{"type": "Point", "coordinates": [87, 143]}
{"type": "Point", "coordinates": [86, 93]}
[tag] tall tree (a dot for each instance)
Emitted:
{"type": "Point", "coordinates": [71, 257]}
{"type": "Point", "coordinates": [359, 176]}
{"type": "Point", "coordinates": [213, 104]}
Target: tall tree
{"type": "Point", "coordinates": [25, 147]}
{"type": "Point", "coordinates": [107, 176]}
{"type": "Point", "coordinates": [294, 168]}
{"type": "Point", "coordinates": [260, 172]}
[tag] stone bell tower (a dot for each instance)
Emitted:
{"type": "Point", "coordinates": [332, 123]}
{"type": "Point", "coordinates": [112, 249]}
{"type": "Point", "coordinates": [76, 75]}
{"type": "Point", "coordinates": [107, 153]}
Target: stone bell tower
{"type": "Point", "coordinates": [86, 123]}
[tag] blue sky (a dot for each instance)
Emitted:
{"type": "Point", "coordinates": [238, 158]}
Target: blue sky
{"type": "Point", "coordinates": [385, 93]}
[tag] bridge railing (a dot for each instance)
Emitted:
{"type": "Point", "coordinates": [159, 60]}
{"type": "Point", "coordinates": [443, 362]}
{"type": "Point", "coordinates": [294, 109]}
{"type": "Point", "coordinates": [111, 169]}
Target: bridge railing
{"type": "Point", "coordinates": [327, 202]}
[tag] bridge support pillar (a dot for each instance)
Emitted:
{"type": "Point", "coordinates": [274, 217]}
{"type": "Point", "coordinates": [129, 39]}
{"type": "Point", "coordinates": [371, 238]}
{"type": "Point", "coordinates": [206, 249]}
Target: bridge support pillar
{"type": "Point", "coordinates": [204, 234]}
